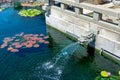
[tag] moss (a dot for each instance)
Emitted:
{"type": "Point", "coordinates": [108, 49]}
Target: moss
{"type": "Point", "coordinates": [67, 35]}
{"type": "Point", "coordinates": [110, 57]}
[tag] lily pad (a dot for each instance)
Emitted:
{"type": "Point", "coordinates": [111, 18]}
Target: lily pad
{"type": "Point", "coordinates": [104, 74]}
{"type": "Point", "coordinates": [29, 12]}
{"type": "Point", "coordinates": [119, 72]}
{"type": "Point", "coordinates": [1, 9]}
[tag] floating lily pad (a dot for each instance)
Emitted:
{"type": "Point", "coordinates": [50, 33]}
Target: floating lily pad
{"type": "Point", "coordinates": [1, 9]}
{"type": "Point", "coordinates": [119, 72]}
{"type": "Point", "coordinates": [104, 74]}
{"type": "Point", "coordinates": [29, 12]}
{"type": "Point", "coordinates": [22, 41]}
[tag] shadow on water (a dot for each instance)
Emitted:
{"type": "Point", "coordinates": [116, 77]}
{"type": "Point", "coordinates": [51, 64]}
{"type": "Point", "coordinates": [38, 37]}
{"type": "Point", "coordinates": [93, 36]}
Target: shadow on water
{"type": "Point", "coordinates": [91, 48]}
{"type": "Point", "coordinates": [50, 39]}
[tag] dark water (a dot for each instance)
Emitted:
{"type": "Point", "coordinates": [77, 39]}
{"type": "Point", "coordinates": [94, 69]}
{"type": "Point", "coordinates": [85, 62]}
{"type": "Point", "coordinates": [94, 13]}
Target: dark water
{"type": "Point", "coordinates": [26, 65]}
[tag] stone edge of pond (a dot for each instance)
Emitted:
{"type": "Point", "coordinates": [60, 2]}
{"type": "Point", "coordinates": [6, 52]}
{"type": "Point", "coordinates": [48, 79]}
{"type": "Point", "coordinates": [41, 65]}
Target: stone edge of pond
{"type": "Point", "coordinates": [104, 54]}
{"type": "Point", "coordinates": [67, 35]}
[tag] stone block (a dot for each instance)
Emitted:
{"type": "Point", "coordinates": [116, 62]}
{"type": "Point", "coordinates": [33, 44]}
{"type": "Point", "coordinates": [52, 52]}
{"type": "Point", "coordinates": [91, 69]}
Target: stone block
{"type": "Point", "coordinates": [78, 11]}
{"type": "Point", "coordinates": [78, 1]}
{"type": "Point", "coordinates": [97, 16]}
{"type": "Point", "coordinates": [63, 6]}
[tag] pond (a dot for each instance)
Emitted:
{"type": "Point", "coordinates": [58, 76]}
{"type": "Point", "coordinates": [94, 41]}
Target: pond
{"type": "Point", "coordinates": [27, 64]}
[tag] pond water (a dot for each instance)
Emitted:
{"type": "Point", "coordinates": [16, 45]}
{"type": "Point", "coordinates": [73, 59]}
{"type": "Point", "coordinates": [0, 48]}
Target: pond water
{"type": "Point", "coordinates": [28, 63]}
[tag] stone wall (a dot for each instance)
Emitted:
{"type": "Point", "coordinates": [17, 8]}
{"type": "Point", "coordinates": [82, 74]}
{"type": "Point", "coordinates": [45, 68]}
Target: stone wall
{"type": "Point", "coordinates": [107, 38]}
{"type": "Point", "coordinates": [76, 23]}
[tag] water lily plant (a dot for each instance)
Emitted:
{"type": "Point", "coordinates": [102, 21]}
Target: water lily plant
{"type": "Point", "coordinates": [104, 75]}
{"type": "Point", "coordinates": [29, 12]}
{"type": "Point", "coordinates": [119, 72]}
{"type": "Point", "coordinates": [1, 9]}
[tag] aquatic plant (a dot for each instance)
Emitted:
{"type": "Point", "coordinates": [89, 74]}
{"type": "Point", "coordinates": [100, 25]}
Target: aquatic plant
{"type": "Point", "coordinates": [119, 72]}
{"type": "Point", "coordinates": [13, 44]}
{"type": "Point", "coordinates": [29, 12]}
{"type": "Point", "coordinates": [1, 9]}
{"type": "Point", "coordinates": [104, 75]}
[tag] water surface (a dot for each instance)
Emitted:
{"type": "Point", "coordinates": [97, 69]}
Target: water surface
{"type": "Point", "coordinates": [27, 64]}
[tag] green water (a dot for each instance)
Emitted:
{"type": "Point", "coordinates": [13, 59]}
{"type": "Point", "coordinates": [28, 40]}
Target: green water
{"type": "Point", "coordinates": [83, 68]}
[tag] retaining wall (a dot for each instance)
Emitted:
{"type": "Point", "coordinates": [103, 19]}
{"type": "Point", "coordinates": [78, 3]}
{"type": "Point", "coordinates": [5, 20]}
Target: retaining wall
{"type": "Point", "coordinates": [74, 23]}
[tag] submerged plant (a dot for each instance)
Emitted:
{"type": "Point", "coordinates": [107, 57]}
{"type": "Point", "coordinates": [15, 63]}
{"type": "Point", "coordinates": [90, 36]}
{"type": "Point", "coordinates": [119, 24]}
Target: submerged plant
{"type": "Point", "coordinates": [104, 75]}
{"type": "Point", "coordinates": [29, 12]}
